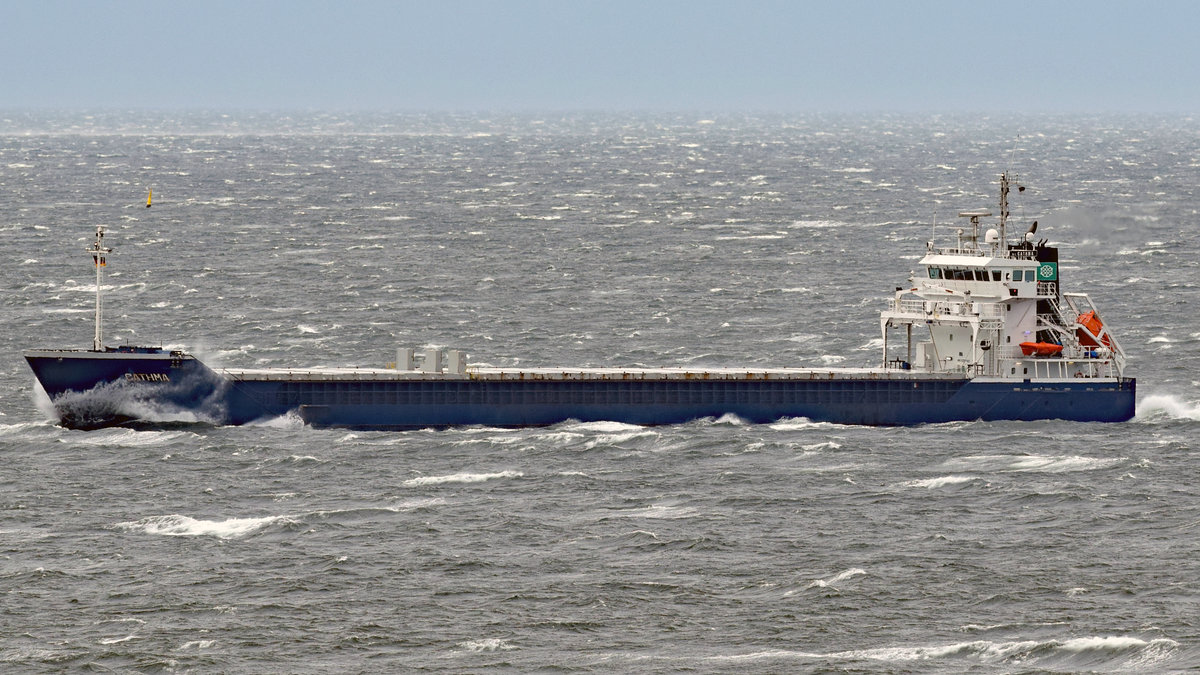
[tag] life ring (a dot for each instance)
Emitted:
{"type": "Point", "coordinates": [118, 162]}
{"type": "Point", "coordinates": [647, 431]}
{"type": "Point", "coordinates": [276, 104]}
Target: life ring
{"type": "Point", "coordinates": [1078, 373]}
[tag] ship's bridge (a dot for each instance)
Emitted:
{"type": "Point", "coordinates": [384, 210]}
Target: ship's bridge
{"type": "Point", "coordinates": [990, 268]}
{"type": "Point", "coordinates": [983, 276]}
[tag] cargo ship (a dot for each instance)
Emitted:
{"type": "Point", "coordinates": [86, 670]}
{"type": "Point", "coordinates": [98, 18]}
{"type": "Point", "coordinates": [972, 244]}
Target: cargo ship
{"type": "Point", "coordinates": [984, 331]}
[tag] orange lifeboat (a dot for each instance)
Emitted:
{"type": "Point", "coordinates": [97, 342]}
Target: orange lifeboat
{"type": "Point", "coordinates": [1040, 349]}
{"type": "Point", "coordinates": [1092, 323]}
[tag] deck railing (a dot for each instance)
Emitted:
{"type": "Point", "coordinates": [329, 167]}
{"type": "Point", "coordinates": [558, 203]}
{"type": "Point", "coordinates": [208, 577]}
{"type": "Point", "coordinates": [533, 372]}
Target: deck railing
{"type": "Point", "coordinates": [985, 310]}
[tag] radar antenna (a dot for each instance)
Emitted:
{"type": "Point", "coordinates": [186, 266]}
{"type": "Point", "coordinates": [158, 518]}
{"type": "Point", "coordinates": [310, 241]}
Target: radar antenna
{"type": "Point", "coordinates": [974, 216]}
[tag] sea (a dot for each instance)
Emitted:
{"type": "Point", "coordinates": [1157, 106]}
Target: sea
{"type": "Point", "coordinates": [586, 239]}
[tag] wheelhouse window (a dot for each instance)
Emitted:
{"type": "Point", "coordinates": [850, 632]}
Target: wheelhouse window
{"type": "Point", "coordinates": [935, 273]}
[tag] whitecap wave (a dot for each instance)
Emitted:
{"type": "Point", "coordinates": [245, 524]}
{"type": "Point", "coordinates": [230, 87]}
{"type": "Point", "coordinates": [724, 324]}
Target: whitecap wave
{"type": "Point", "coordinates": [18, 428]}
{"type": "Point", "coordinates": [827, 445]}
{"type": "Point", "coordinates": [658, 512]}
{"type": "Point", "coordinates": [128, 438]}
{"type": "Point", "coordinates": [872, 345]}
{"type": "Point", "coordinates": [816, 223]}
{"type": "Point", "coordinates": [940, 481]}
{"type": "Point", "coordinates": [488, 441]}
{"type": "Point", "coordinates": [369, 510]}
{"type": "Point", "coordinates": [617, 439]}
{"type": "Point", "coordinates": [604, 427]}
{"type": "Point", "coordinates": [460, 478]}
{"type": "Point", "coordinates": [176, 525]}
{"type": "Point", "coordinates": [837, 578]}
{"type": "Point", "coordinates": [1111, 652]}
{"type": "Point", "coordinates": [1031, 463]}
{"type": "Point", "coordinates": [743, 237]}
{"type": "Point", "coordinates": [557, 438]}
{"type": "Point", "coordinates": [487, 645]}
{"type": "Point", "coordinates": [793, 424]}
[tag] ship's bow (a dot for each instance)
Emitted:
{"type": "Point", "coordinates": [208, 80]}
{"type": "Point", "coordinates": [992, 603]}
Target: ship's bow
{"type": "Point", "coordinates": [98, 388]}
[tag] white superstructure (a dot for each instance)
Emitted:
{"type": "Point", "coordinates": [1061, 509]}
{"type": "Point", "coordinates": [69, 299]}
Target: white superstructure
{"type": "Point", "coordinates": [995, 309]}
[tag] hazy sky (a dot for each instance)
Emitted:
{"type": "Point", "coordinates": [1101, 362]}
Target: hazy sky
{"type": "Point", "coordinates": [826, 55]}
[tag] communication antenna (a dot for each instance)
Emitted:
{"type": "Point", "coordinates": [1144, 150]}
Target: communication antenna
{"type": "Point", "coordinates": [1004, 190]}
{"type": "Point", "coordinates": [1012, 154]}
{"type": "Point", "coordinates": [933, 228]}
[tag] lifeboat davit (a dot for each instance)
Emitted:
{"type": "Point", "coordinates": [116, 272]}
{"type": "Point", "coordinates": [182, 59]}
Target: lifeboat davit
{"type": "Point", "coordinates": [1040, 349]}
{"type": "Point", "coordinates": [1092, 323]}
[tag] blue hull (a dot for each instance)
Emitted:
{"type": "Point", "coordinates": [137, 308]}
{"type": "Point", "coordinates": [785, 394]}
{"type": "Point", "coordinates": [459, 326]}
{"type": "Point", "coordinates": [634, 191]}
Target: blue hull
{"type": "Point", "coordinates": [863, 402]}
{"type": "Point", "coordinates": [92, 389]}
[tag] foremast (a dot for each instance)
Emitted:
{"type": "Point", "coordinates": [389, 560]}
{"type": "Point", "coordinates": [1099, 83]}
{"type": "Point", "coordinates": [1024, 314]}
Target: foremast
{"type": "Point", "coordinates": [99, 253]}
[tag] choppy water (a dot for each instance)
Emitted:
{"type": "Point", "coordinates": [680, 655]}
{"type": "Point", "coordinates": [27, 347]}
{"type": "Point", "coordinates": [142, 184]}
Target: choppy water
{"type": "Point", "coordinates": [713, 546]}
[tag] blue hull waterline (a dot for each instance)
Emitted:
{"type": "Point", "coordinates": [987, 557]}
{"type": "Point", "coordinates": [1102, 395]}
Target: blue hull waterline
{"type": "Point", "coordinates": [987, 334]}
{"type": "Point", "coordinates": [95, 390]}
